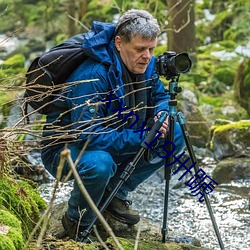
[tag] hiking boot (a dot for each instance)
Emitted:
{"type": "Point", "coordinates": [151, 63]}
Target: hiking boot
{"type": "Point", "coordinates": [121, 211]}
{"type": "Point", "coordinates": [75, 231]}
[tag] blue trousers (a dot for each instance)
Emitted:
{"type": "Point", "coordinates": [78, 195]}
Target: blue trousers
{"type": "Point", "coordinates": [100, 170]}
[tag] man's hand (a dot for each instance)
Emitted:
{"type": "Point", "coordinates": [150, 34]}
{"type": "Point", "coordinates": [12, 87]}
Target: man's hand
{"type": "Point", "coordinates": [165, 126]}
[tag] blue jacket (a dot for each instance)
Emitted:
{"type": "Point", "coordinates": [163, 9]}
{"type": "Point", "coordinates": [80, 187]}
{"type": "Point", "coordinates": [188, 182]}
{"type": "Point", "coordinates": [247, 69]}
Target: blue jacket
{"type": "Point", "coordinates": [89, 117]}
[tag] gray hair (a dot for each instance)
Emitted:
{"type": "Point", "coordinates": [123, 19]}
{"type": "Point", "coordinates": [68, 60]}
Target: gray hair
{"type": "Point", "coordinates": [137, 22]}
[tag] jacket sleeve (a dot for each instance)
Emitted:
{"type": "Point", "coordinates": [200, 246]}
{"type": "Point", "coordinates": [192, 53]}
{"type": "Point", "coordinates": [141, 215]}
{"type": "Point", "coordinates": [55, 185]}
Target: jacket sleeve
{"type": "Point", "coordinates": [88, 114]}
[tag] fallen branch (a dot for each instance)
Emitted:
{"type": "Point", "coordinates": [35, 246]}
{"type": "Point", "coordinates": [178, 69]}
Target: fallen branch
{"type": "Point", "coordinates": [65, 154]}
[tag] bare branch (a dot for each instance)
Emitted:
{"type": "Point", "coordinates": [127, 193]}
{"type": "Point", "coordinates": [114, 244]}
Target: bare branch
{"type": "Point", "coordinates": [66, 154]}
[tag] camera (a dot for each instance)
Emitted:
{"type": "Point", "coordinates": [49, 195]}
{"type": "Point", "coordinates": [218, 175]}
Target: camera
{"type": "Point", "coordinates": [171, 65]}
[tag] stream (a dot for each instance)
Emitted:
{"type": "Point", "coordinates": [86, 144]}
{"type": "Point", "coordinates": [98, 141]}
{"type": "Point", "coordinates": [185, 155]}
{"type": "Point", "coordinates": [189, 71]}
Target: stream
{"type": "Point", "coordinates": [187, 217]}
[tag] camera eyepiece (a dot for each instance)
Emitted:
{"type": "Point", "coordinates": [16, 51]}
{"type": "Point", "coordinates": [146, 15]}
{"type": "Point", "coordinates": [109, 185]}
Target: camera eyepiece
{"type": "Point", "coordinates": [170, 64]}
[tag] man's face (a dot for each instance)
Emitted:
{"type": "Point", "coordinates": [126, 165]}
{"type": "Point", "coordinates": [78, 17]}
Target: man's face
{"type": "Point", "coordinates": [137, 53]}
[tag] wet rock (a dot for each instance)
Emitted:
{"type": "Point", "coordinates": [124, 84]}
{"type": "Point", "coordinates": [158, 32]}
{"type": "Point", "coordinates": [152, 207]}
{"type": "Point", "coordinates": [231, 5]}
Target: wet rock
{"type": "Point", "coordinates": [31, 167]}
{"type": "Point", "coordinates": [232, 169]}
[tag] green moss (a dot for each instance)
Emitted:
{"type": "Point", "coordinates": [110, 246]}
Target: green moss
{"type": "Point", "coordinates": [221, 131]}
{"type": "Point", "coordinates": [16, 61]}
{"type": "Point", "coordinates": [225, 75]}
{"type": "Point", "coordinates": [13, 239]}
{"type": "Point", "coordinates": [160, 50]}
{"type": "Point", "coordinates": [128, 244]}
{"type": "Point", "coordinates": [21, 199]}
{"type": "Point", "coordinates": [214, 101]}
{"type": "Point", "coordinates": [222, 122]}
{"type": "Point", "coordinates": [13, 71]}
{"type": "Point", "coordinates": [228, 45]}
{"type": "Point", "coordinates": [91, 247]}
{"type": "Point", "coordinates": [6, 96]}
{"type": "Point", "coordinates": [9, 219]}
{"type": "Point", "coordinates": [219, 102]}
{"type": "Point", "coordinates": [60, 38]}
{"type": "Point", "coordinates": [16, 237]}
{"type": "Point", "coordinates": [174, 246]}
{"type": "Point", "coordinates": [6, 243]}
{"type": "Point", "coordinates": [236, 125]}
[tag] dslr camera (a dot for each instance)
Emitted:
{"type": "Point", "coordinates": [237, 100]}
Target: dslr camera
{"type": "Point", "coordinates": [171, 65]}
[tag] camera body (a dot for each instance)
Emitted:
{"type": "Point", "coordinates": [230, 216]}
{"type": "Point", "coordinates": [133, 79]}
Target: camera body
{"type": "Point", "coordinates": [171, 65]}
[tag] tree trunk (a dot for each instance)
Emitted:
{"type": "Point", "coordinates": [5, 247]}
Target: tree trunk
{"type": "Point", "coordinates": [71, 6]}
{"type": "Point", "coordinates": [181, 27]}
{"type": "Point", "coordinates": [83, 7]}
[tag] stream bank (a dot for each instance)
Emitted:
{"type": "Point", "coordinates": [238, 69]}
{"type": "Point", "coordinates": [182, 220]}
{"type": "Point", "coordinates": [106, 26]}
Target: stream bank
{"type": "Point", "coordinates": [187, 216]}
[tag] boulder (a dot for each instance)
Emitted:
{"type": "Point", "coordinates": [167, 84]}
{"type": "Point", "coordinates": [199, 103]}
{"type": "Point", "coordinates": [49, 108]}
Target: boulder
{"type": "Point", "coordinates": [231, 169]}
{"type": "Point", "coordinates": [230, 139]}
{"type": "Point", "coordinates": [197, 125]}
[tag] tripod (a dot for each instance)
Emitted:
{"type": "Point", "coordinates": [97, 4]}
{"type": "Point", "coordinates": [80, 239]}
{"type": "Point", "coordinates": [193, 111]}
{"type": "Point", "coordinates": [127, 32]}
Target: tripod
{"type": "Point", "coordinates": [129, 169]}
{"type": "Point", "coordinates": [173, 90]}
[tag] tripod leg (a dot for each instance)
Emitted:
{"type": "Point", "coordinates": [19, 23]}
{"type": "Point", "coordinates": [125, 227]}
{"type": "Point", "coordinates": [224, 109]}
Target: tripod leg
{"type": "Point", "coordinates": [164, 229]}
{"type": "Point", "coordinates": [196, 168]}
{"type": "Point", "coordinates": [167, 176]}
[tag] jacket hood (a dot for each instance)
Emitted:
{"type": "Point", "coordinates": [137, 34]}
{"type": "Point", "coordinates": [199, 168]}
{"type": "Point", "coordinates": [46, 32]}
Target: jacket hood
{"type": "Point", "coordinates": [98, 42]}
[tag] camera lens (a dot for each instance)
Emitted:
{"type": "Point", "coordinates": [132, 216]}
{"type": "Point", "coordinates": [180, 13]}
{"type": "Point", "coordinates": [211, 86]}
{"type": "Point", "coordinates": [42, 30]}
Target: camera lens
{"type": "Point", "coordinates": [182, 63]}
{"type": "Point", "coordinates": [170, 64]}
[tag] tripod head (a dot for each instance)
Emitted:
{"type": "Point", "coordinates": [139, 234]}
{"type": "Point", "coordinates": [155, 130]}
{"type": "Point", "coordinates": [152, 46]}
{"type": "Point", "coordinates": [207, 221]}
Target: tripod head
{"type": "Point", "coordinates": [174, 89]}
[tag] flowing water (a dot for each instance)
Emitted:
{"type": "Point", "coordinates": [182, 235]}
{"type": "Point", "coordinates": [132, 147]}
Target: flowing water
{"type": "Point", "coordinates": [187, 217]}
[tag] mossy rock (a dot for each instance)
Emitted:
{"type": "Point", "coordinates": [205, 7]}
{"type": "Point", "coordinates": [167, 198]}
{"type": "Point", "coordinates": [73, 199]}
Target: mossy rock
{"type": "Point", "coordinates": [128, 244]}
{"type": "Point", "coordinates": [11, 237]}
{"type": "Point", "coordinates": [212, 75]}
{"type": "Point", "coordinates": [22, 200]}
{"type": "Point", "coordinates": [231, 139]}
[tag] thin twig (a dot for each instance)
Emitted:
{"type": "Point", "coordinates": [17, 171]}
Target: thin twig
{"type": "Point", "coordinates": [137, 236]}
{"type": "Point", "coordinates": [45, 217]}
{"type": "Point", "coordinates": [99, 238]}
{"type": "Point", "coordinates": [66, 154]}
{"type": "Point", "coordinates": [77, 21]}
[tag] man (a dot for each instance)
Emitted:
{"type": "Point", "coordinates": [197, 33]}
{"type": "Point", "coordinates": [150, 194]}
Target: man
{"type": "Point", "coordinates": [124, 91]}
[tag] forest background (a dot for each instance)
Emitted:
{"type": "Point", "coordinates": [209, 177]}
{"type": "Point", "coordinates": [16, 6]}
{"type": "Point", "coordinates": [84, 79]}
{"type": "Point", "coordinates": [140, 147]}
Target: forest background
{"type": "Point", "coordinates": [214, 33]}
